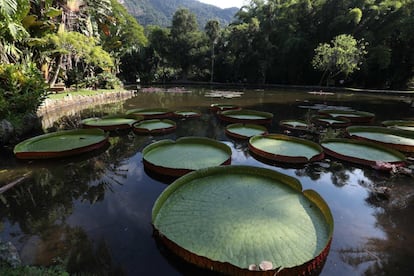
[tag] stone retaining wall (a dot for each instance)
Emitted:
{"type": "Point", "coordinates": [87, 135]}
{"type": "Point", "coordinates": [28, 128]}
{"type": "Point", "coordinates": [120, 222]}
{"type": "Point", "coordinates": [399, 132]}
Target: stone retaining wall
{"type": "Point", "coordinates": [51, 109]}
{"type": "Point", "coordinates": [82, 101]}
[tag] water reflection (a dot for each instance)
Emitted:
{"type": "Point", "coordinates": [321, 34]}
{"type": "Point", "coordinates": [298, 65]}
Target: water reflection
{"type": "Point", "coordinates": [94, 212]}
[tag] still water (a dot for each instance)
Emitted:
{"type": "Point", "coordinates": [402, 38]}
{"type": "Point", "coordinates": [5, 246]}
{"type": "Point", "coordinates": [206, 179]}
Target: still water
{"type": "Point", "coordinates": [93, 212]}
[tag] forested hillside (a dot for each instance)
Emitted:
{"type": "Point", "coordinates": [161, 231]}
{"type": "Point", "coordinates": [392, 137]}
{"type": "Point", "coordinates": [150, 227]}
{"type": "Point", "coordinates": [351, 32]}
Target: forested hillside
{"type": "Point", "coordinates": [160, 12]}
{"type": "Point", "coordinates": [365, 44]}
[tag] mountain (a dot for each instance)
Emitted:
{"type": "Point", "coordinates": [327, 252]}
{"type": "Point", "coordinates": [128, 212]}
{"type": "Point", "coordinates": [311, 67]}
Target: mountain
{"type": "Point", "coordinates": [160, 12]}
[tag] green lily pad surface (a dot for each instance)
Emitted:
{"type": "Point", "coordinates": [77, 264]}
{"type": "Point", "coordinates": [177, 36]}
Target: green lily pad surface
{"type": "Point", "coordinates": [61, 143]}
{"type": "Point", "coordinates": [400, 124]}
{"type": "Point", "coordinates": [285, 148]}
{"type": "Point", "coordinates": [109, 123]}
{"type": "Point", "coordinates": [151, 113]}
{"type": "Point", "coordinates": [361, 152]}
{"type": "Point", "coordinates": [352, 115]}
{"type": "Point", "coordinates": [187, 114]}
{"type": "Point", "coordinates": [296, 125]}
{"type": "Point", "coordinates": [328, 121]}
{"type": "Point", "coordinates": [223, 107]}
{"type": "Point", "coordinates": [246, 116]}
{"type": "Point", "coordinates": [154, 126]}
{"type": "Point", "coordinates": [245, 131]}
{"type": "Point", "coordinates": [228, 218]}
{"type": "Point", "coordinates": [396, 138]}
{"type": "Point", "coordinates": [176, 158]}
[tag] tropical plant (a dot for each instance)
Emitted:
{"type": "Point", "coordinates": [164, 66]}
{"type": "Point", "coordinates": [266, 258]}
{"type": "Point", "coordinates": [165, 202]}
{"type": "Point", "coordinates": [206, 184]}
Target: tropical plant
{"type": "Point", "coordinates": [22, 89]}
{"type": "Point", "coordinates": [212, 30]}
{"type": "Point", "coordinates": [12, 31]}
{"type": "Point", "coordinates": [343, 56]}
{"type": "Point", "coordinates": [188, 44]}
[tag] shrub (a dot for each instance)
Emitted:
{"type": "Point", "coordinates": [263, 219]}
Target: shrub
{"type": "Point", "coordinates": [22, 89]}
{"type": "Point", "coordinates": [107, 80]}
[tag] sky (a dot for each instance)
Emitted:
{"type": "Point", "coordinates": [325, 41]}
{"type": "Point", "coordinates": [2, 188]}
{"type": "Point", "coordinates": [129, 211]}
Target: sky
{"type": "Point", "coordinates": [225, 3]}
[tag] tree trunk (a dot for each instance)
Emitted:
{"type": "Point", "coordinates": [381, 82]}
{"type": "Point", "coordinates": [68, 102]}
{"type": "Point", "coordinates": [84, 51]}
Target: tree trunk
{"type": "Point", "coordinates": [56, 75]}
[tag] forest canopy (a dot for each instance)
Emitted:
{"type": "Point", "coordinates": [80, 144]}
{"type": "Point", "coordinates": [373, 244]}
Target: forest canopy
{"type": "Point", "coordinates": [276, 42]}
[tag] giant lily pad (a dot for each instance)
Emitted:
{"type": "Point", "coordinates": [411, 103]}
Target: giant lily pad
{"type": "Point", "coordinates": [184, 114]}
{"type": "Point", "coordinates": [151, 113]}
{"type": "Point", "coordinates": [109, 122]}
{"type": "Point", "coordinates": [398, 139]}
{"type": "Point", "coordinates": [294, 125]}
{"type": "Point", "coordinates": [176, 158]}
{"type": "Point", "coordinates": [154, 126]}
{"type": "Point", "coordinates": [328, 121]}
{"type": "Point", "coordinates": [223, 107]}
{"type": "Point", "coordinates": [246, 116]}
{"type": "Point", "coordinates": [362, 152]}
{"type": "Point", "coordinates": [283, 148]}
{"type": "Point", "coordinates": [400, 124]}
{"type": "Point", "coordinates": [245, 131]}
{"type": "Point", "coordinates": [231, 219]}
{"type": "Point", "coordinates": [61, 144]}
{"type": "Point", "coordinates": [353, 115]}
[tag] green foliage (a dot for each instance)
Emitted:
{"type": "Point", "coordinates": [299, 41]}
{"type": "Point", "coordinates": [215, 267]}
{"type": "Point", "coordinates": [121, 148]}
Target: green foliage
{"type": "Point", "coordinates": [126, 34]}
{"type": "Point", "coordinates": [212, 30]}
{"type": "Point", "coordinates": [22, 89]}
{"type": "Point", "coordinates": [104, 80]}
{"type": "Point", "coordinates": [11, 29]}
{"type": "Point", "coordinates": [107, 80]}
{"type": "Point", "coordinates": [81, 47]}
{"type": "Point", "coordinates": [344, 55]}
{"type": "Point", "coordinates": [160, 12]}
{"type": "Point", "coordinates": [32, 271]}
{"type": "Point", "coordinates": [187, 45]}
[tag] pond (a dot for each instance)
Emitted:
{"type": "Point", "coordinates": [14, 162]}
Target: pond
{"type": "Point", "coordinates": [93, 212]}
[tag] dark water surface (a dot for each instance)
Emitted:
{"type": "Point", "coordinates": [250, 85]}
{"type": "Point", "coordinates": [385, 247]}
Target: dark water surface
{"type": "Point", "coordinates": [94, 211]}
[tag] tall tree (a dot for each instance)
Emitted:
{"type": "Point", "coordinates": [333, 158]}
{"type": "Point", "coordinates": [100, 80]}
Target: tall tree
{"type": "Point", "coordinates": [343, 56]}
{"type": "Point", "coordinates": [212, 30]}
{"type": "Point", "coordinates": [187, 42]}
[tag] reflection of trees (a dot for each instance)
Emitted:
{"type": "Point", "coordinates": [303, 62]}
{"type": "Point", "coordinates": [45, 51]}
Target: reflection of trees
{"type": "Point", "coordinates": [85, 258]}
{"type": "Point", "coordinates": [313, 171]}
{"type": "Point", "coordinates": [391, 255]}
{"type": "Point", "coordinates": [339, 173]}
{"type": "Point", "coordinates": [41, 204]}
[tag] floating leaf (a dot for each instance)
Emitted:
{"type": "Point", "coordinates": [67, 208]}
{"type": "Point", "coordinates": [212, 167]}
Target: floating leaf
{"type": "Point", "coordinates": [230, 218]}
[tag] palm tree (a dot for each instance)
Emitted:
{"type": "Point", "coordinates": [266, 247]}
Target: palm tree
{"type": "Point", "coordinates": [11, 30]}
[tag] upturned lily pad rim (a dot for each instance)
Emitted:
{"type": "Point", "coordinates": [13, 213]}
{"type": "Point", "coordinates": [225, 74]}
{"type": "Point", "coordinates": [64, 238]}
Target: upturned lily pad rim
{"type": "Point", "coordinates": [158, 113]}
{"type": "Point", "coordinates": [339, 121]}
{"type": "Point", "coordinates": [179, 171]}
{"type": "Point", "coordinates": [224, 107]}
{"type": "Point", "coordinates": [124, 115]}
{"type": "Point", "coordinates": [118, 122]}
{"type": "Point", "coordinates": [266, 117]}
{"type": "Point", "coordinates": [22, 150]}
{"type": "Point", "coordinates": [139, 127]}
{"type": "Point", "coordinates": [362, 161]}
{"type": "Point", "coordinates": [352, 131]}
{"type": "Point", "coordinates": [294, 159]}
{"type": "Point", "coordinates": [231, 130]}
{"type": "Point", "coordinates": [187, 113]}
{"type": "Point", "coordinates": [399, 124]}
{"type": "Point", "coordinates": [285, 124]}
{"type": "Point", "coordinates": [362, 116]}
{"type": "Point", "coordinates": [310, 266]}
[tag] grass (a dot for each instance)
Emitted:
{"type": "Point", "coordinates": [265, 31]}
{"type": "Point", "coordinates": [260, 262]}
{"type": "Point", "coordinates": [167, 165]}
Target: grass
{"type": "Point", "coordinates": [80, 92]}
{"type": "Point", "coordinates": [32, 271]}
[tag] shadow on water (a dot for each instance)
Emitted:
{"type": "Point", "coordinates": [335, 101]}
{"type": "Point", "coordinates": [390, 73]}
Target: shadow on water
{"type": "Point", "coordinates": [93, 212]}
